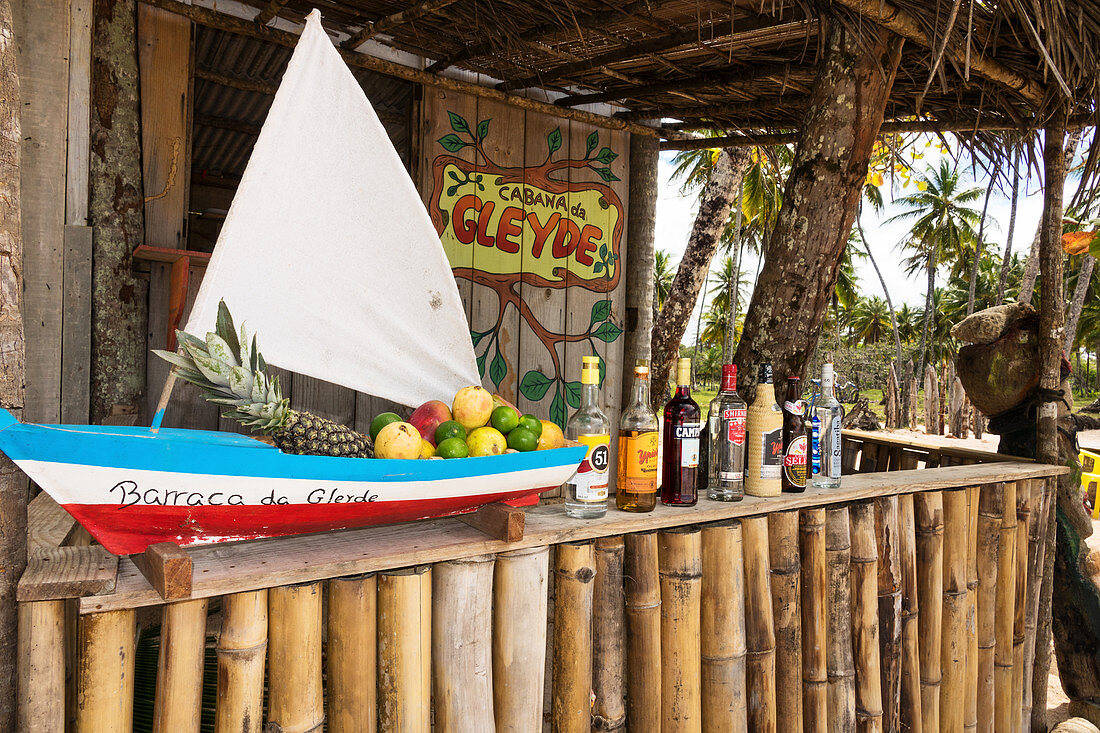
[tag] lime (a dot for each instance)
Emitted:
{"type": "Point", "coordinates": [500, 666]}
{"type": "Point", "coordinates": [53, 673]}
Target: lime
{"type": "Point", "coordinates": [504, 419]}
{"type": "Point", "coordinates": [449, 429]}
{"type": "Point", "coordinates": [486, 441]}
{"type": "Point", "coordinates": [523, 439]}
{"type": "Point", "coordinates": [382, 421]}
{"type": "Point", "coordinates": [452, 448]}
{"type": "Point", "coordinates": [532, 423]}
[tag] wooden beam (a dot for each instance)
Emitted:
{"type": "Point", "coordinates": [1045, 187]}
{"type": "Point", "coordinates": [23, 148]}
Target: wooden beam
{"type": "Point", "coordinates": [167, 568]}
{"type": "Point", "coordinates": [231, 24]}
{"type": "Point", "coordinates": [235, 82]}
{"type": "Point", "coordinates": [733, 110]}
{"type": "Point", "coordinates": [725, 77]}
{"type": "Point", "coordinates": [370, 30]}
{"type": "Point", "coordinates": [225, 123]}
{"type": "Point", "coordinates": [898, 21]}
{"type": "Point", "coordinates": [68, 572]}
{"type": "Point", "coordinates": [270, 11]}
{"type": "Point", "coordinates": [499, 521]}
{"type": "Point", "coordinates": [48, 525]}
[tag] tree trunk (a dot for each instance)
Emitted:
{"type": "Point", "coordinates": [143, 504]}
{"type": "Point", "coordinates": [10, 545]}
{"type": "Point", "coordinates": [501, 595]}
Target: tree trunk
{"type": "Point", "coordinates": [1078, 303]}
{"type": "Point", "coordinates": [13, 484]}
{"type": "Point", "coordinates": [699, 329]}
{"type": "Point", "coordinates": [640, 298]}
{"type": "Point", "coordinates": [714, 209]}
{"type": "Point", "coordinates": [735, 277]}
{"type": "Point", "coordinates": [889, 304]}
{"type": "Point", "coordinates": [116, 212]}
{"type": "Point", "coordinates": [981, 242]}
{"type": "Point", "coordinates": [1006, 261]}
{"type": "Point", "coordinates": [926, 329]}
{"type": "Point", "coordinates": [820, 197]}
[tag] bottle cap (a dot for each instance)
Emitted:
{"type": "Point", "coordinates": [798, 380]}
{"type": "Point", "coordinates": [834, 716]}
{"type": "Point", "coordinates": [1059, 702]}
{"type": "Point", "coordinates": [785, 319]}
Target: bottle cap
{"type": "Point", "coordinates": [729, 377]}
{"type": "Point", "coordinates": [683, 372]}
{"type": "Point", "coordinates": [641, 363]}
{"type": "Point", "coordinates": [641, 371]}
{"type": "Point", "coordinates": [765, 374]}
{"type": "Point", "coordinates": [590, 370]}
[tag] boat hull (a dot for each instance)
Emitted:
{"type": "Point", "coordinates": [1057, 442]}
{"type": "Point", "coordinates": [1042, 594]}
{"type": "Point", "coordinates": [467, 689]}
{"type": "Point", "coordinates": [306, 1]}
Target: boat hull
{"type": "Point", "coordinates": [131, 488]}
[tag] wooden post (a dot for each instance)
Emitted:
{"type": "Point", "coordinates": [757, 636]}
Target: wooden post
{"type": "Point", "coordinates": [462, 644]}
{"type": "Point", "coordinates": [928, 513]}
{"type": "Point", "coordinates": [519, 646]}
{"type": "Point", "coordinates": [351, 654]}
{"type": "Point", "coordinates": [811, 540]}
{"type": "Point", "coordinates": [1004, 706]}
{"type": "Point", "coordinates": [242, 652]}
{"type": "Point", "coordinates": [864, 574]}
{"type": "Point", "coordinates": [909, 715]}
{"type": "Point", "coordinates": [41, 683]}
{"type": "Point", "coordinates": [932, 418]}
{"type": "Point", "coordinates": [294, 696]}
{"type": "Point", "coordinates": [887, 530]}
{"type": "Point", "coordinates": [722, 630]}
{"type": "Point", "coordinates": [680, 558]}
{"type": "Point", "coordinates": [893, 407]}
{"type": "Point", "coordinates": [787, 612]}
{"type": "Point", "coordinates": [1042, 506]}
{"type": "Point", "coordinates": [841, 691]}
{"type": "Point", "coordinates": [572, 660]}
{"type": "Point", "coordinates": [609, 637]}
{"type": "Point", "coordinates": [105, 673]}
{"type": "Point", "coordinates": [759, 625]}
{"type": "Point", "coordinates": [643, 621]}
{"type": "Point", "coordinates": [991, 516]}
{"type": "Point", "coordinates": [179, 668]}
{"type": "Point", "coordinates": [1019, 620]}
{"type": "Point", "coordinates": [970, 717]}
{"type": "Point", "coordinates": [639, 262]}
{"type": "Point", "coordinates": [404, 650]}
{"type": "Point", "coordinates": [954, 643]}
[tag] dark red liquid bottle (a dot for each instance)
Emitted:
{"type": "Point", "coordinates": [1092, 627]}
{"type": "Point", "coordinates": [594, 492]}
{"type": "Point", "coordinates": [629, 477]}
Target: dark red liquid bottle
{"type": "Point", "coordinates": [680, 468]}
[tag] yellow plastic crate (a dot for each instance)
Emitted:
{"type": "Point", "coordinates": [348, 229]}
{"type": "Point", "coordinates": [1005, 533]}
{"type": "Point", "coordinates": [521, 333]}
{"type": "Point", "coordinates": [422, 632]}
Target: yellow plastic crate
{"type": "Point", "coordinates": [1090, 480]}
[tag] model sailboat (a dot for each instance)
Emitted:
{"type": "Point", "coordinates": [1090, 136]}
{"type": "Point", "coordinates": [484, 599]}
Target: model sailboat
{"type": "Point", "coordinates": [328, 254]}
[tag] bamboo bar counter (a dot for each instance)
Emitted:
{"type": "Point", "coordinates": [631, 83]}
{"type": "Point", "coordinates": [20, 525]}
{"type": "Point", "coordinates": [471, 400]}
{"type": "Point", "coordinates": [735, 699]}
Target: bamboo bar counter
{"type": "Point", "coordinates": [842, 609]}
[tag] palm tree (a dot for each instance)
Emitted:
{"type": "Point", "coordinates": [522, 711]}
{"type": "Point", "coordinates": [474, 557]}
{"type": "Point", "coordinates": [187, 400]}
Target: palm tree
{"type": "Point", "coordinates": [663, 273]}
{"type": "Point", "coordinates": [909, 322]}
{"type": "Point", "coordinates": [942, 229]}
{"type": "Point", "coordinates": [870, 320]}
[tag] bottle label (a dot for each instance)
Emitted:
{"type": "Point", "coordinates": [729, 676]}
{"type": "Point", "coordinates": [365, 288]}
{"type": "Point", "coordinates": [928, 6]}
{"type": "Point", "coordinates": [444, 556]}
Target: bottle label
{"type": "Point", "coordinates": [687, 435]}
{"type": "Point", "coordinates": [771, 454]}
{"type": "Point", "coordinates": [735, 425]}
{"type": "Point", "coordinates": [815, 447]}
{"type": "Point", "coordinates": [794, 461]}
{"type": "Point", "coordinates": [590, 481]}
{"type": "Point", "coordinates": [795, 408]}
{"type": "Point", "coordinates": [835, 457]}
{"type": "Point", "coordinates": [638, 456]}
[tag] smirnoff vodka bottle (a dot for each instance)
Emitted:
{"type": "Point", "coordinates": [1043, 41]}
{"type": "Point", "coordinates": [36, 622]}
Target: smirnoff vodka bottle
{"type": "Point", "coordinates": [726, 436]}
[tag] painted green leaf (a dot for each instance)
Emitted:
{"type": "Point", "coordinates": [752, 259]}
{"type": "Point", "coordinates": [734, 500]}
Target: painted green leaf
{"type": "Point", "coordinates": [477, 336]}
{"type": "Point", "coordinates": [459, 124]}
{"type": "Point", "coordinates": [481, 364]}
{"type": "Point", "coordinates": [598, 268]}
{"type": "Point", "coordinates": [606, 156]}
{"type": "Point", "coordinates": [553, 140]}
{"type": "Point", "coordinates": [498, 369]}
{"type": "Point", "coordinates": [607, 332]}
{"type": "Point", "coordinates": [482, 129]}
{"type": "Point", "coordinates": [601, 311]}
{"type": "Point", "coordinates": [606, 174]}
{"type": "Point", "coordinates": [573, 394]}
{"type": "Point", "coordinates": [603, 365]}
{"type": "Point", "coordinates": [454, 176]}
{"type": "Point", "coordinates": [593, 141]}
{"type": "Point", "coordinates": [534, 384]}
{"type": "Point", "coordinates": [452, 143]}
{"type": "Point", "coordinates": [557, 411]}
{"type": "Point", "coordinates": [452, 189]}
{"type": "Point", "coordinates": [603, 251]}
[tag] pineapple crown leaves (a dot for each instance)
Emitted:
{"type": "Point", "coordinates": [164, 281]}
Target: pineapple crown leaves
{"type": "Point", "coordinates": [230, 373]}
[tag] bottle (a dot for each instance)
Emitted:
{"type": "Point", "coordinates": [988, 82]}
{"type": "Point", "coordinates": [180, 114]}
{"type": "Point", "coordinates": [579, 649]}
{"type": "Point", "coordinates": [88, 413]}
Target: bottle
{"type": "Point", "coordinates": [764, 422]}
{"type": "Point", "coordinates": [636, 489]}
{"type": "Point", "coordinates": [827, 416]}
{"type": "Point", "coordinates": [681, 442]}
{"type": "Point", "coordinates": [586, 491]}
{"type": "Point", "coordinates": [794, 438]}
{"type": "Point", "coordinates": [726, 441]}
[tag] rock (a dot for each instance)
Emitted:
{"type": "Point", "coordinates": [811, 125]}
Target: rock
{"type": "Point", "coordinates": [1075, 725]}
{"type": "Point", "coordinates": [1000, 374]}
{"type": "Point", "coordinates": [987, 326]}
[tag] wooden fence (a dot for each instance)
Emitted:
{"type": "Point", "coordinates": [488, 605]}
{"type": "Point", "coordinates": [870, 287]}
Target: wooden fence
{"type": "Point", "coordinates": [903, 600]}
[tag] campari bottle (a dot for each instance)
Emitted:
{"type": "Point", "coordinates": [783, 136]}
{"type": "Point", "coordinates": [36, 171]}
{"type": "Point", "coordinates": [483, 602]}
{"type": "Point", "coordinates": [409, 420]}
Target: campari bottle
{"type": "Point", "coordinates": [726, 441]}
{"type": "Point", "coordinates": [681, 442]}
{"type": "Point", "coordinates": [586, 492]}
{"type": "Point", "coordinates": [636, 489]}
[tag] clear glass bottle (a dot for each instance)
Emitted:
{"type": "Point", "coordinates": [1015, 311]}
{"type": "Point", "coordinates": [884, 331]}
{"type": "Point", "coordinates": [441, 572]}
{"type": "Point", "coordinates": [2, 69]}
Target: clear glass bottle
{"type": "Point", "coordinates": [826, 441]}
{"type": "Point", "coordinates": [726, 441]}
{"type": "Point", "coordinates": [681, 442]}
{"type": "Point", "coordinates": [586, 491]}
{"type": "Point", "coordinates": [636, 488]}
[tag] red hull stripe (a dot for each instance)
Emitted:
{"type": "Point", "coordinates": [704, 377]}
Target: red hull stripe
{"type": "Point", "coordinates": [128, 530]}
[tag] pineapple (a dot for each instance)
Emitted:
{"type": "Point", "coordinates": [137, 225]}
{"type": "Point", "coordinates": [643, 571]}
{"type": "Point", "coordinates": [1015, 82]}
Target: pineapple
{"type": "Point", "coordinates": [234, 375]}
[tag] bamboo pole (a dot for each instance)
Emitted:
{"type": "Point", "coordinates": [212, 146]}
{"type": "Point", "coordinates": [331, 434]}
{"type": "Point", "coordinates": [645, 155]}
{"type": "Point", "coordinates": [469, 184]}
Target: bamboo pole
{"type": "Point", "coordinates": [404, 650]}
{"type": "Point", "coordinates": [242, 652]}
{"type": "Point", "coordinates": [572, 659]}
{"type": "Point", "coordinates": [179, 667]}
{"type": "Point", "coordinates": [909, 714]}
{"type": "Point", "coordinates": [1019, 616]}
{"type": "Point", "coordinates": [722, 628]}
{"type": "Point", "coordinates": [294, 697]}
{"type": "Point", "coordinates": [928, 515]}
{"type": "Point", "coordinates": [519, 645]}
{"type": "Point", "coordinates": [787, 612]}
{"type": "Point", "coordinates": [351, 654]}
{"type": "Point", "coordinates": [41, 667]}
{"type": "Point", "coordinates": [953, 643]}
{"type": "Point", "coordinates": [105, 673]}
{"type": "Point", "coordinates": [841, 667]}
{"type": "Point", "coordinates": [1041, 502]}
{"type": "Point", "coordinates": [811, 540]}
{"type": "Point", "coordinates": [462, 644]}
{"type": "Point", "coordinates": [970, 716]}
{"type": "Point", "coordinates": [759, 626]}
{"type": "Point", "coordinates": [643, 621]}
{"type": "Point", "coordinates": [680, 558]}
{"type": "Point", "coordinates": [1004, 706]}
{"type": "Point", "coordinates": [991, 516]}
{"type": "Point", "coordinates": [887, 530]}
{"type": "Point", "coordinates": [608, 637]}
{"type": "Point", "coordinates": [864, 579]}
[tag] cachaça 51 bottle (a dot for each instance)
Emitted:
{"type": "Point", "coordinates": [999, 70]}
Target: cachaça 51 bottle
{"type": "Point", "coordinates": [681, 442]}
{"type": "Point", "coordinates": [726, 441]}
{"type": "Point", "coordinates": [765, 439]}
{"type": "Point", "coordinates": [827, 415]}
{"type": "Point", "coordinates": [636, 488]}
{"type": "Point", "coordinates": [794, 438]}
{"type": "Point", "coordinates": [586, 492]}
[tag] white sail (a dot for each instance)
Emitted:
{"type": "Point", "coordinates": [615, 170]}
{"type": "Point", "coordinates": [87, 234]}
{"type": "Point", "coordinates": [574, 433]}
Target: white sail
{"type": "Point", "coordinates": [327, 252]}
